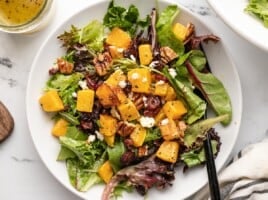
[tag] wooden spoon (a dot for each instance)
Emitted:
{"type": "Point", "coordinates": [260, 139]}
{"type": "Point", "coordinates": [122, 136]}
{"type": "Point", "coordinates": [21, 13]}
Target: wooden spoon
{"type": "Point", "coordinates": [6, 122]}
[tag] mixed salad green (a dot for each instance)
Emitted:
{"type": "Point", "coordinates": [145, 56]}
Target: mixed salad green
{"type": "Point", "coordinates": [259, 8]}
{"type": "Point", "coordinates": [129, 99]}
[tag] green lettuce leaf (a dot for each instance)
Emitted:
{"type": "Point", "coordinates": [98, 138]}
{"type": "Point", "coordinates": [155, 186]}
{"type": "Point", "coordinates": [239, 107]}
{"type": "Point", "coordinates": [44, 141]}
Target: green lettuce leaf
{"type": "Point", "coordinates": [115, 153]}
{"type": "Point", "coordinates": [213, 91]}
{"type": "Point", "coordinates": [199, 129]}
{"type": "Point", "coordinates": [197, 156]}
{"type": "Point", "coordinates": [73, 133]}
{"type": "Point", "coordinates": [164, 31]}
{"type": "Point", "coordinates": [259, 8]}
{"type": "Point", "coordinates": [87, 153]}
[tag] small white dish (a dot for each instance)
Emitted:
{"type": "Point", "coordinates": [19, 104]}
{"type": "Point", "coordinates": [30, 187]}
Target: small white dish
{"type": "Point", "coordinates": [246, 25]}
{"type": "Point", "coordinates": [40, 123]}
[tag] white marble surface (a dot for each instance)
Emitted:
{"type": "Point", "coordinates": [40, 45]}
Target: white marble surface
{"type": "Point", "coordinates": [23, 175]}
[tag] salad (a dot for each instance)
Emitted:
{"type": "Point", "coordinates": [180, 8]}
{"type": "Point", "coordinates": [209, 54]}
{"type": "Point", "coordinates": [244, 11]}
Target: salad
{"type": "Point", "coordinates": [130, 98]}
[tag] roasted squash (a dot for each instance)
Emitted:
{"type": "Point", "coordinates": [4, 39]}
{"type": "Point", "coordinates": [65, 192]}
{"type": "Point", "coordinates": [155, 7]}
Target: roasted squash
{"type": "Point", "coordinates": [160, 115]}
{"type": "Point", "coordinates": [171, 94]}
{"type": "Point", "coordinates": [115, 52]}
{"type": "Point", "coordinates": [85, 100]}
{"type": "Point", "coordinates": [60, 128]}
{"type": "Point", "coordinates": [115, 78]}
{"type": "Point", "coordinates": [119, 38]}
{"type": "Point", "coordinates": [145, 54]}
{"type": "Point", "coordinates": [51, 101]}
{"type": "Point", "coordinates": [107, 125]}
{"type": "Point", "coordinates": [168, 129]}
{"type": "Point", "coordinates": [106, 95]}
{"type": "Point", "coordinates": [122, 97]}
{"type": "Point", "coordinates": [106, 171]}
{"type": "Point", "coordinates": [140, 80]}
{"type": "Point", "coordinates": [109, 140]}
{"type": "Point", "coordinates": [128, 111]}
{"type": "Point", "coordinates": [168, 151]}
{"type": "Point", "coordinates": [161, 89]}
{"type": "Point", "coordinates": [138, 136]}
{"type": "Point", "coordinates": [174, 109]}
{"type": "Point", "coordinates": [180, 31]}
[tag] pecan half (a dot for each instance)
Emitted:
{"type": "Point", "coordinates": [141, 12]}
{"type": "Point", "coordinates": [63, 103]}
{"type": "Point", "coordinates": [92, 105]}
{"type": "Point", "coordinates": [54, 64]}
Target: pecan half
{"type": "Point", "coordinates": [167, 54]}
{"type": "Point", "coordinates": [64, 66]}
{"type": "Point", "coordinates": [125, 129]}
{"type": "Point", "coordinates": [102, 63]}
{"type": "Point", "coordinates": [138, 101]}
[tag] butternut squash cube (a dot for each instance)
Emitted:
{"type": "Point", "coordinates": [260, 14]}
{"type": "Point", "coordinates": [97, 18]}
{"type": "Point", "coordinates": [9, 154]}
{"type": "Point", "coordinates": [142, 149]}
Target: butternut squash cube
{"type": "Point", "coordinates": [116, 77]}
{"type": "Point", "coordinates": [168, 151]}
{"type": "Point", "coordinates": [145, 54]}
{"type": "Point", "coordinates": [109, 140]}
{"type": "Point", "coordinates": [174, 109]}
{"type": "Point", "coordinates": [140, 80]}
{"type": "Point", "coordinates": [138, 136]}
{"type": "Point", "coordinates": [119, 38]}
{"type": "Point", "coordinates": [106, 95]}
{"type": "Point", "coordinates": [161, 89]}
{"type": "Point", "coordinates": [122, 97]}
{"type": "Point", "coordinates": [171, 94]}
{"type": "Point", "coordinates": [107, 125]}
{"type": "Point", "coordinates": [51, 101]}
{"type": "Point", "coordinates": [85, 100]}
{"type": "Point", "coordinates": [160, 115]}
{"type": "Point", "coordinates": [128, 111]}
{"type": "Point", "coordinates": [106, 171]}
{"type": "Point", "coordinates": [168, 129]}
{"type": "Point", "coordinates": [115, 52]}
{"type": "Point", "coordinates": [60, 128]}
{"type": "Point", "coordinates": [180, 31]}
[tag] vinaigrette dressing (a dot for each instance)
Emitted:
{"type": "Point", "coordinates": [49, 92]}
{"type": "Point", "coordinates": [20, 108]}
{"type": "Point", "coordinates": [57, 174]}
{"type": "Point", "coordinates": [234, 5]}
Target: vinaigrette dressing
{"type": "Point", "coordinates": [18, 12]}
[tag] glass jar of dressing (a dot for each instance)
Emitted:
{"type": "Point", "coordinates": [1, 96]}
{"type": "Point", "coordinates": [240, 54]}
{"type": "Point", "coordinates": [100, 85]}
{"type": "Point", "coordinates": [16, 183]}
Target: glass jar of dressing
{"type": "Point", "coordinates": [24, 16]}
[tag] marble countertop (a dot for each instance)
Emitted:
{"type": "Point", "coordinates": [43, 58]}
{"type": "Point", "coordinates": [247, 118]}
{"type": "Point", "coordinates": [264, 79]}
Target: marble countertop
{"type": "Point", "coordinates": [25, 177]}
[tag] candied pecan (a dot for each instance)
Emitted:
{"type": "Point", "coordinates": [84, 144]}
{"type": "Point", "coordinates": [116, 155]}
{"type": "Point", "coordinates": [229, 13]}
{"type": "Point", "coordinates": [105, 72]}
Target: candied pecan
{"type": "Point", "coordinates": [167, 54]}
{"type": "Point", "coordinates": [137, 99]}
{"type": "Point", "coordinates": [103, 63]}
{"type": "Point", "coordinates": [64, 66]}
{"type": "Point", "coordinates": [181, 128]}
{"type": "Point", "coordinates": [125, 129]}
{"type": "Point", "coordinates": [142, 151]}
{"type": "Point", "coordinates": [190, 32]}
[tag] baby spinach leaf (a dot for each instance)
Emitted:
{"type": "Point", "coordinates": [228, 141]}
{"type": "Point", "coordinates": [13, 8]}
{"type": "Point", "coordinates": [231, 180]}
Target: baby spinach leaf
{"type": "Point", "coordinates": [199, 129]}
{"type": "Point", "coordinates": [126, 19]}
{"type": "Point", "coordinates": [213, 91]}
{"type": "Point", "coordinates": [165, 35]}
{"type": "Point", "coordinates": [259, 8]}
{"type": "Point", "coordinates": [152, 134]}
{"type": "Point", "coordinates": [196, 106]}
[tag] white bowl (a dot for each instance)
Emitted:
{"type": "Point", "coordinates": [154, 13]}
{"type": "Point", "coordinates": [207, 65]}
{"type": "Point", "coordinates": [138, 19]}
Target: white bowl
{"type": "Point", "coordinates": [248, 26]}
{"type": "Point", "coordinates": [40, 123]}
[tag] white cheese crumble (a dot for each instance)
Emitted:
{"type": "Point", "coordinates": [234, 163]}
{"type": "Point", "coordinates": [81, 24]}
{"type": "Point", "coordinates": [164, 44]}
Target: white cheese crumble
{"type": "Point", "coordinates": [122, 84]}
{"type": "Point", "coordinates": [99, 135]}
{"type": "Point", "coordinates": [161, 82]}
{"type": "Point", "coordinates": [120, 50]}
{"type": "Point", "coordinates": [74, 94]}
{"type": "Point", "coordinates": [147, 122]}
{"type": "Point", "coordinates": [153, 64]}
{"type": "Point", "coordinates": [132, 57]}
{"type": "Point", "coordinates": [172, 72]}
{"type": "Point", "coordinates": [135, 75]}
{"type": "Point", "coordinates": [83, 85]}
{"type": "Point", "coordinates": [144, 99]}
{"type": "Point", "coordinates": [56, 66]}
{"type": "Point", "coordinates": [164, 122]}
{"type": "Point", "coordinates": [91, 138]}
